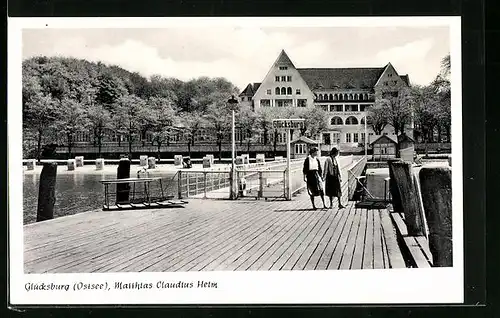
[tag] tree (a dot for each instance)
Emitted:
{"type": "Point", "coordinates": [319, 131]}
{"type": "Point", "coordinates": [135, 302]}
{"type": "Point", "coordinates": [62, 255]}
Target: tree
{"type": "Point", "coordinates": [99, 119]}
{"type": "Point", "coordinates": [219, 118]}
{"type": "Point", "coordinates": [316, 121]}
{"type": "Point", "coordinates": [397, 105]}
{"type": "Point", "coordinates": [128, 111]}
{"type": "Point", "coordinates": [192, 123]}
{"type": "Point", "coordinates": [163, 120]}
{"type": "Point", "coordinates": [72, 119]}
{"type": "Point", "coordinates": [247, 123]}
{"type": "Point", "coordinates": [39, 111]}
{"type": "Point", "coordinates": [376, 118]}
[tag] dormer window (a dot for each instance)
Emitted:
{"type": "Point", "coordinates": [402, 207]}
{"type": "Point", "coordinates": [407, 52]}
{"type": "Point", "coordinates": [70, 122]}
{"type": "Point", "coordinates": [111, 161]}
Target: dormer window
{"type": "Point", "coordinates": [277, 79]}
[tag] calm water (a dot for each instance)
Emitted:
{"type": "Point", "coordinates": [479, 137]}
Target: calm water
{"type": "Point", "coordinates": [76, 193]}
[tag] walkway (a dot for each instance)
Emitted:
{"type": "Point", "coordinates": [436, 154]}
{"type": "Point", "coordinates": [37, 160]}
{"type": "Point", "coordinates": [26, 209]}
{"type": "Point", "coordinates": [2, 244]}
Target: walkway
{"type": "Point", "coordinates": [208, 235]}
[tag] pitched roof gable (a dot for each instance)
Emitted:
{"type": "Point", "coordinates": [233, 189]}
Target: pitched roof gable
{"type": "Point", "coordinates": [341, 78]}
{"type": "Point", "coordinates": [283, 60]}
{"type": "Point", "coordinates": [305, 139]}
{"type": "Point", "coordinates": [389, 138]}
{"type": "Point", "coordinates": [406, 79]}
{"type": "Point", "coordinates": [250, 90]}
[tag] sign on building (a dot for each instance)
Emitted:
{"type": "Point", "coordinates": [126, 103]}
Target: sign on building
{"type": "Point", "coordinates": [288, 123]}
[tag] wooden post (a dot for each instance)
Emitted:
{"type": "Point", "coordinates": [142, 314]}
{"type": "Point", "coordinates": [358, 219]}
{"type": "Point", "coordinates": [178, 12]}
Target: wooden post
{"type": "Point", "coordinates": [410, 198]}
{"type": "Point", "coordinates": [47, 192]}
{"type": "Point", "coordinates": [123, 189]}
{"type": "Point", "coordinates": [436, 196]}
{"type": "Point", "coordinates": [393, 188]}
{"type": "Point", "coordinates": [179, 184]}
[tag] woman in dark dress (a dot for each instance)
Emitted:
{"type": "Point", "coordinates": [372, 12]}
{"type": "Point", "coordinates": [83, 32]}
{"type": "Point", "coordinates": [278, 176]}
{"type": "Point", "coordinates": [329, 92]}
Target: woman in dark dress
{"type": "Point", "coordinates": [332, 177]}
{"type": "Point", "coordinates": [312, 176]}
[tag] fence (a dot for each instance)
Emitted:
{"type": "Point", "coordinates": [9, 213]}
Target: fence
{"type": "Point", "coordinates": [203, 184]}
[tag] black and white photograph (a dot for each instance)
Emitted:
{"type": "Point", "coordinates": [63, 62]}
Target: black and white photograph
{"type": "Point", "coordinates": [235, 160]}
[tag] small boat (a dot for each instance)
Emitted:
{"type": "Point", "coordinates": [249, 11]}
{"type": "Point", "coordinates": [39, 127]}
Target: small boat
{"type": "Point", "coordinates": [137, 193]}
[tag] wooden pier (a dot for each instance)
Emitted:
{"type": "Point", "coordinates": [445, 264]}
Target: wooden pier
{"type": "Point", "coordinates": [209, 235]}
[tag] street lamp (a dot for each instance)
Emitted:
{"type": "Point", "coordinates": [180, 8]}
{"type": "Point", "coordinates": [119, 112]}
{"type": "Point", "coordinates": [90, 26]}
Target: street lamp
{"type": "Point", "coordinates": [232, 104]}
{"type": "Point", "coordinates": [366, 137]}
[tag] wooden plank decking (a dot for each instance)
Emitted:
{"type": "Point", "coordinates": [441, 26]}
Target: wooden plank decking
{"type": "Point", "coordinates": [214, 235]}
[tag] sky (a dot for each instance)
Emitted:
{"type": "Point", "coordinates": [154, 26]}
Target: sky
{"type": "Point", "coordinates": [245, 54]}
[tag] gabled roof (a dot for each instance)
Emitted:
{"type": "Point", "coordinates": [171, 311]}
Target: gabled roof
{"type": "Point", "coordinates": [283, 60]}
{"type": "Point", "coordinates": [341, 78]}
{"type": "Point", "coordinates": [304, 139]}
{"type": "Point", "coordinates": [390, 138]}
{"type": "Point", "coordinates": [250, 90]}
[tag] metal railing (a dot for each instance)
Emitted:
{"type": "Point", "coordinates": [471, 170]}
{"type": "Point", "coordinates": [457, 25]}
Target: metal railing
{"type": "Point", "coordinates": [204, 184]}
{"type": "Point", "coordinates": [354, 176]}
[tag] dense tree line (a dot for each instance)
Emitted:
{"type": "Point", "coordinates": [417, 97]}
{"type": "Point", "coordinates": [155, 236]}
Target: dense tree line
{"type": "Point", "coordinates": [64, 96]}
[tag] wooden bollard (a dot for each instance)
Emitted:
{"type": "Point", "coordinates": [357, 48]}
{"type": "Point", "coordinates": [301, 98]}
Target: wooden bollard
{"type": "Point", "coordinates": [99, 163]}
{"type": "Point", "coordinates": [71, 164]}
{"type": "Point", "coordinates": [260, 158]}
{"type": "Point", "coordinates": [436, 196]}
{"type": "Point", "coordinates": [393, 188]}
{"type": "Point", "coordinates": [79, 161]}
{"type": "Point", "coordinates": [151, 163]}
{"type": "Point", "coordinates": [143, 161]}
{"type": "Point", "coordinates": [123, 189]}
{"type": "Point", "coordinates": [178, 160]}
{"type": "Point", "coordinates": [30, 164]}
{"type": "Point", "coordinates": [410, 198]}
{"type": "Point", "coordinates": [47, 192]}
{"type": "Point", "coordinates": [207, 162]}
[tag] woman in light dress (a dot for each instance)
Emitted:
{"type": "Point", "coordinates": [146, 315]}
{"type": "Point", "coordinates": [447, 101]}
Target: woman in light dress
{"type": "Point", "coordinates": [313, 176]}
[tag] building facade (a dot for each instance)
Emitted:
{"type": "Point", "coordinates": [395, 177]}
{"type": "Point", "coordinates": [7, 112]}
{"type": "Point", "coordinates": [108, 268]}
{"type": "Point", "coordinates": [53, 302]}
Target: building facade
{"type": "Point", "coordinates": [344, 93]}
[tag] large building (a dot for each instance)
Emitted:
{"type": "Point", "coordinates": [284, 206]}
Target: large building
{"type": "Point", "coordinates": [345, 93]}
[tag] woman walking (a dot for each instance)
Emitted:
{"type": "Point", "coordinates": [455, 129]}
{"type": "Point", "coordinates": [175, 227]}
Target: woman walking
{"type": "Point", "coordinates": [312, 176]}
{"type": "Point", "coordinates": [332, 178]}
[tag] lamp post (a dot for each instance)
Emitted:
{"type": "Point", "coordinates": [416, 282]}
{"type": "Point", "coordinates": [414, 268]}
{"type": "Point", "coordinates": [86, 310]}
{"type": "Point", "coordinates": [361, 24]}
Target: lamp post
{"type": "Point", "coordinates": [232, 104]}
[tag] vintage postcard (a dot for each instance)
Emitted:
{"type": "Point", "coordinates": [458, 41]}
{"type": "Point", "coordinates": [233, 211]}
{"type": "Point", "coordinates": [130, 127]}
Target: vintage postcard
{"type": "Point", "coordinates": [235, 160]}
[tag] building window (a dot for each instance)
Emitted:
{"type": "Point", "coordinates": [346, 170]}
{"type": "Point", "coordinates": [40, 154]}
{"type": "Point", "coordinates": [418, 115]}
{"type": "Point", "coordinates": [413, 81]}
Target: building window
{"type": "Point", "coordinates": [283, 68]}
{"type": "Point", "coordinates": [297, 91]}
{"type": "Point", "coordinates": [336, 121]}
{"type": "Point", "coordinates": [283, 78]}
{"type": "Point", "coordinates": [356, 137]}
{"type": "Point", "coordinates": [300, 149]}
{"type": "Point", "coordinates": [268, 92]}
{"type": "Point", "coordinates": [347, 108]}
{"type": "Point", "coordinates": [351, 120]}
{"type": "Point", "coordinates": [341, 97]}
{"type": "Point", "coordinates": [354, 108]}
{"type": "Point", "coordinates": [356, 96]}
{"type": "Point", "coordinates": [283, 102]}
{"type": "Point", "coordinates": [362, 122]}
{"type": "Point", "coordinates": [361, 108]}
{"type": "Point", "coordinates": [276, 78]}
{"type": "Point", "coordinates": [320, 97]}
{"type": "Point", "coordinates": [348, 137]}
{"type": "Point", "coordinates": [301, 102]}
{"type": "Point", "coordinates": [277, 91]}
{"type": "Point", "coordinates": [331, 96]}
{"type": "Point", "coordinates": [390, 74]}
{"type": "Point", "coordinates": [363, 137]}
{"type": "Point", "coordinates": [265, 103]}
{"type": "Point", "coordinates": [283, 91]}
{"type": "Point", "coordinates": [289, 91]}
{"type": "Point", "coordinates": [350, 97]}
{"type": "Point", "coordinates": [335, 97]}
{"type": "Point", "coordinates": [325, 97]}
{"type": "Point", "coordinates": [249, 99]}
{"type": "Point", "coordinates": [336, 137]}
{"type": "Point", "coordinates": [288, 78]}
{"type": "Point", "coordinates": [338, 108]}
